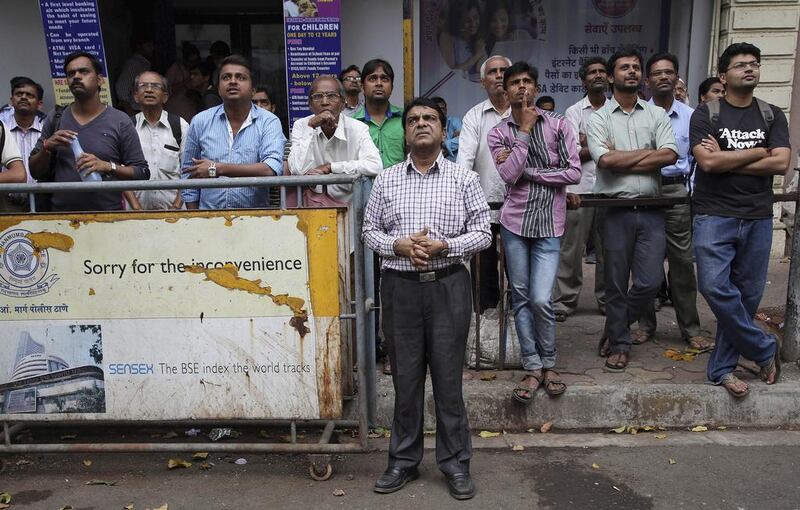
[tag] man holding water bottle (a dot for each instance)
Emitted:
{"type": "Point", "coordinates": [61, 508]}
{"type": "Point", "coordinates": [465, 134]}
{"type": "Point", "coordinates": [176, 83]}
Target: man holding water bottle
{"type": "Point", "coordinates": [87, 141]}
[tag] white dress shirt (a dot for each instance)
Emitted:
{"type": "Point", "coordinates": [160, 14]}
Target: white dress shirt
{"type": "Point", "coordinates": [26, 140]}
{"type": "Point", "coordinates": [349, 151]}
{"type": "Point", "coordinates": [473, 150]}
{"type": "Point", "coordinates": [158, 146]}
{"type": "Point", "coordinates": [578, 115]}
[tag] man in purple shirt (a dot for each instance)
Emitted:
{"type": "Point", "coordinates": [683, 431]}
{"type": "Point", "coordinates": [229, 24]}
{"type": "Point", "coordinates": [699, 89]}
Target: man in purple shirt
{"type": "Point", "coordinates": [536, 155]}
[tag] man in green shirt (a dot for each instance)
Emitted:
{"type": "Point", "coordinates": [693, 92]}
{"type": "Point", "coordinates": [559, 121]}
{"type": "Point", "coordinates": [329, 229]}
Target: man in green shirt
{"type": "Point", "coordinates": [630, 140]}
{"type": "Point", "coordinates": [383, 118]}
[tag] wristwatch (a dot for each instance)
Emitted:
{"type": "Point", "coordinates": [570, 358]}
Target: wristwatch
{"type": "Point", "coordinates": [113, 167]}
{"type": "Point", "coordinates": [212, 170]}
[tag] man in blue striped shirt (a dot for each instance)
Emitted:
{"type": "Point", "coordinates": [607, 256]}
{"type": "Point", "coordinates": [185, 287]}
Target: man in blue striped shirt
{"type": "Point", "coordinates": [234, 139]}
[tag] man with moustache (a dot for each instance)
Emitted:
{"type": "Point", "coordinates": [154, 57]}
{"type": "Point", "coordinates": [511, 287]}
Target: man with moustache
{"type": "Point", "coordinates": [582, 222]}
{"type": "Point", "coordinates": [109, 146]}
{"type": "Point", "coordinates": [382, 117]}
{"type": "Point", "coordinates": [162, 137]}
{"type": "Point", "coordinates": [426, 295]}
{"type": "Point", "coordinates": [24, 122]}
{"type": "Point", "coordinates": [330, 142]}
{"type": "Point", "coordinates": [662, 75]}
{"type": "Point", "coordinates": [630, 140]}
{"type": "Point", "coordinates": [234, 139]}
{"type": "Point", "coordinates": [474, 154]}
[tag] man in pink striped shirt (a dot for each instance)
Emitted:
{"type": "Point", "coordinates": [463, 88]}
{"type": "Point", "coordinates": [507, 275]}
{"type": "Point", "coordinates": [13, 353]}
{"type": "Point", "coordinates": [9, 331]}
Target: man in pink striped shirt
{"type": "Point", "coordinates": [536, 155]}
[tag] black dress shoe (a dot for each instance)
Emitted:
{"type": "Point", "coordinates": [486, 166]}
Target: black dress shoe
{"type": "Point", "coordinates": [461, 486]}
{"type": "Point", "coordinates": [394, 479]}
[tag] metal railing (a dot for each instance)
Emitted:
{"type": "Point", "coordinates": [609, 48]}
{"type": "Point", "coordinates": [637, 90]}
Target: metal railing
{"type": "Point", "coordinates": [358, 310]}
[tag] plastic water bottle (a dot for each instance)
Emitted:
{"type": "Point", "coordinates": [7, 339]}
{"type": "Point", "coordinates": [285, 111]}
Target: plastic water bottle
{"type": "Point", "coordinates": [77, 150]}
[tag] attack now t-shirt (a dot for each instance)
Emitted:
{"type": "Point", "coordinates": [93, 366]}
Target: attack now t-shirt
{"type": "Point", "coordinates": [729, 194]}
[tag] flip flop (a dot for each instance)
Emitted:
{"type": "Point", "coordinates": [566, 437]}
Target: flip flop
{"type": "Point", "coordinates": [640, 336]}
{"type": "Point", "coordinates": [700, 343]}
{"type": "Point", "coordinates": [620, 365]}
{"type": "Point", "coordinates": [523, 393]}
{"type": "Point", "coordinates": [553, 380]}
{"type": "Point", "coordinates": [729, 381]}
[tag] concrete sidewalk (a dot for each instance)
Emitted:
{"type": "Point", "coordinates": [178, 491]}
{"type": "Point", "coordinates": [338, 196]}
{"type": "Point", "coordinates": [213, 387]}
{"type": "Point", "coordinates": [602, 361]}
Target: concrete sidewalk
{"type": "Point", "coordinates": [654, 390]}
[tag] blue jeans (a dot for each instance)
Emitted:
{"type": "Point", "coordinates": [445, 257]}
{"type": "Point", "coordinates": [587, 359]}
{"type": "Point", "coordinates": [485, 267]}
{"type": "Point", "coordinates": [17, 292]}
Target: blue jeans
{"type": "Point", "coordinates": [532, 264]}
{"type": "Point", "coordinates": [732, 258]}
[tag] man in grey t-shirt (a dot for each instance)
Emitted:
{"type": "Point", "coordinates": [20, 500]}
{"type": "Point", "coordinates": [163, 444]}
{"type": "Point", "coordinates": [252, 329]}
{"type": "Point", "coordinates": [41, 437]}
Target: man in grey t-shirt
{"type": "Point", "coordinates": [108, 144]}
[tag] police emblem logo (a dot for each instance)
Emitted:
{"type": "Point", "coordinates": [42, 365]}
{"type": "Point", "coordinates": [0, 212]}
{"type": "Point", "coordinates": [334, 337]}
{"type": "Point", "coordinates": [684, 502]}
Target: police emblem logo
{"type": "Point", "coordinates": [23, 268]}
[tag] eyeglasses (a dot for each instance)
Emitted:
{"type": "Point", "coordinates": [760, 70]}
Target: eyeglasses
{"type": "Point", "coordinates": [330, 96]}
{"type": "Point", "coordinates": [354, 79]}
{"type": "Point", "coordinates": [741, 66]}
{"type": "Point", "coordinates": [151, 86]}
{"type": "Point", "coordinates": [429, 118]}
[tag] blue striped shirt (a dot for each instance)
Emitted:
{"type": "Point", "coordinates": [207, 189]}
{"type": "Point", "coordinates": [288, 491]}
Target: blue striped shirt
{"type": "Point", "coordinates": [259, 140]}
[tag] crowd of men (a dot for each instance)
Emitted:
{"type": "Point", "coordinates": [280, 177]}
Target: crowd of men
{"type": "Point", "coordinates": [429, 211]}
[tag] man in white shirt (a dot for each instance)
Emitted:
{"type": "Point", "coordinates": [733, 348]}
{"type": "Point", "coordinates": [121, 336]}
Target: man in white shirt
{"type": "Point", "coordinates": [161, 135]}
{"type": "Point", "coordinates": [11, 160]}
{"type": "Point", "coordinates": [474, 154]}
{"type": "Point", "coordinates": [330, 142]}
{"type": "Point", "coordinates": [582, 222]}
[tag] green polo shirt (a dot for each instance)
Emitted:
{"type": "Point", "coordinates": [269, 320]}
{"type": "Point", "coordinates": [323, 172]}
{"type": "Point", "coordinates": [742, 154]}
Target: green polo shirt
{"type": "Point", "coordinates": [647, 126]}
{"type": "Point", "coordinates": [389, 137]}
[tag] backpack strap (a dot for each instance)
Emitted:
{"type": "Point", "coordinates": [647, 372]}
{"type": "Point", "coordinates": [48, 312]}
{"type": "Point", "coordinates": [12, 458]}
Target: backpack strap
{"type": "Point", "coordinates": [766, 113]}
{"type": "Point", "coordinates": [175, 125]}
{"type": "Point", "coordinates": [2, 137]}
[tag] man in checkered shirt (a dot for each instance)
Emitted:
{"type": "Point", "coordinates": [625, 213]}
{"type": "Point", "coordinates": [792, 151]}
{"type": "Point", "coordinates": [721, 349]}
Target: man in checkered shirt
{"type": "Point", "coordinates": [426, 217]}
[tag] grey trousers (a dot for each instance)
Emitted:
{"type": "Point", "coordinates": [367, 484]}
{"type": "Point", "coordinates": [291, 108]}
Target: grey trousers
{"type": "Point", "coordinates": [682, 281]}
{"type": "Point", "coordinates": [581, 224]}
{"type": "Point", "coordinates": [426, 326]}
{"type": "Point", "coordinates": [634, 243]}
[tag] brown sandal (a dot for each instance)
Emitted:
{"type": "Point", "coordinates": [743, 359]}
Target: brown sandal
{"type": "Point", "coordinates": [730, 383]}
{"type": "Point", "coordinates": [553, 385]}
{"type": "Point", "coordinates": [618, 365]}
{"type": "Point", "coordinates": [524, 391]}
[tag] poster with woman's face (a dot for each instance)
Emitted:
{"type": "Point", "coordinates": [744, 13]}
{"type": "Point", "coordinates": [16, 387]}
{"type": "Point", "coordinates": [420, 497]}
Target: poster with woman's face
{"type": "Point", "coordinates": [457, 36]}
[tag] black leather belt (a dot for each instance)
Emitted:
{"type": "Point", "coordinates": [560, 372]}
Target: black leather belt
{"type": "Point", "coordinates": [426, 276]}
{"type": "Point", "coordinates": [676, 179]}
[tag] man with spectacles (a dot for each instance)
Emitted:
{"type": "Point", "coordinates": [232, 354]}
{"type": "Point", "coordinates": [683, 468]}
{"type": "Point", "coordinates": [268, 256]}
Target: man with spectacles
{"type": "Point", "coordinates": [351, 79]}
{"type": "Point", "coordinates": [662, 76]}
{"type": "Point", "coordinates": [426, 217]}
{"type": "Point", "coordinates": [740, 142]}
{"type": "Point", "coordinates": [162, 137]}
{"type": "Point", "coordinates": [234, 139]}
{"type": "Point", "coordinates": [328, 141]}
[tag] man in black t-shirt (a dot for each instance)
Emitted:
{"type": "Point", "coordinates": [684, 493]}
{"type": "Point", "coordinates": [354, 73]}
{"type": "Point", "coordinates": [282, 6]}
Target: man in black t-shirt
{"type": "Point", "coordinates": [739, 143]}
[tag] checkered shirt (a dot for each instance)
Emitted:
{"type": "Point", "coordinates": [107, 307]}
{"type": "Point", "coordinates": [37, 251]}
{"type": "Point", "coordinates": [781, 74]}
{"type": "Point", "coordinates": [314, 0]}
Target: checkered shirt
{"type": "Point", "coordinates": [447, 199]}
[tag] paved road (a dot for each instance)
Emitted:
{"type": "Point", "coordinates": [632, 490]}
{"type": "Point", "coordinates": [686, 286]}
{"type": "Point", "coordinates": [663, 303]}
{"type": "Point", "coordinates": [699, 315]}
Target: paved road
{"type": "Point", "coordinates": [631, 472]}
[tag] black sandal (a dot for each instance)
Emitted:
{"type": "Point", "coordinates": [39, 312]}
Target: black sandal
{"type": "Point", "coordinates": [524, 393]}
{"type": "Point", "coordinates": [553, 380]}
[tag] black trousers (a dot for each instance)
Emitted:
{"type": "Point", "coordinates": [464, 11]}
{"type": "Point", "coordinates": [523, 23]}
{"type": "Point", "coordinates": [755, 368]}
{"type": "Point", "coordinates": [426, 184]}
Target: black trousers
{"type": "Point", "coordinates": [426, 326]}
{"type": "Point", "coordinates": [634, 241]}
{"type": "Point", "coordinates": [489, 293]}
